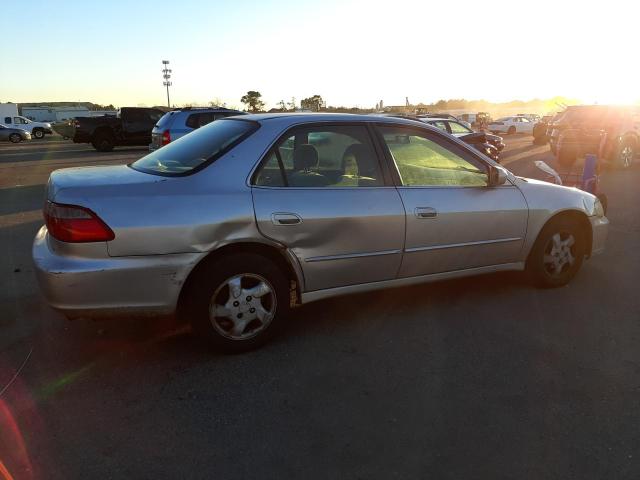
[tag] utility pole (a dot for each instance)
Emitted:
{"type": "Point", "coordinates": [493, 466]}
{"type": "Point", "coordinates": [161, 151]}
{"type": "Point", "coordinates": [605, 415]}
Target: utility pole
{"type": "Point", "coordinates": [166, 74]}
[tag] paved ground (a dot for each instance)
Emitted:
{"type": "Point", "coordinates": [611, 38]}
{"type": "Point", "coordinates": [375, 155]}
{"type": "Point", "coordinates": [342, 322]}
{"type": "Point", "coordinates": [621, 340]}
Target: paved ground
{"type": "Point", "coordinates": [504, 381]}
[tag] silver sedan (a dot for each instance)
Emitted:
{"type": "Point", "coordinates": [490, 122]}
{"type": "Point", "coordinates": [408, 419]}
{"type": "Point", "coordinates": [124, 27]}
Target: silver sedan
{"type": "Point", "coordinates": [13, 135]}
{"type": "Point", "coordinates": [233, 225]}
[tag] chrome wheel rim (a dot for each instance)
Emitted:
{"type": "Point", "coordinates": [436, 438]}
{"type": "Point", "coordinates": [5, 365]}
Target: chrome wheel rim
{"type": "Point", "coordinates": [559, 254]}
{"type": "Point", "coordinates": [39, 134]}
{"type": "Point", "coordinates": [626, 155]}
{"type": "Point", "coordinates": [242, 306]}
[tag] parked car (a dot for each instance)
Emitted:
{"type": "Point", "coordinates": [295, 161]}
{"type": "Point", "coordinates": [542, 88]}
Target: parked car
{"type": "Point", "coordinates": [234, 224]}
{"type": "Point", "coordinates": [532, 117]}
{"type": "Point", "coordinates": [13, 135]}
{"type": "Point", "coordinates": [178, 123]}
{"type": "Point", "coordinates": [36, 129]}
{"type": "Point", "coordinates": [511, 125]}
{"type": "Point", "coordinates": [540, 130]}
{"type": "Point", "coordinates": [490, 145]}
{"type": "Point", "coordinates": [589, 125]}
{"type": "Point", "coordinates": [475, 120]}
{"type": "Point", "coordinates": [132, 126]}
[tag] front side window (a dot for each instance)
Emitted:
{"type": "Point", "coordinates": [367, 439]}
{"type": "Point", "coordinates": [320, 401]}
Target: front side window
{"type": "Point", "coordinates": [423, 161]}
{"type": "Point", "coordinates": [340, 156]}
{"type": "Point", "coordinates": [459, 128]}
{"type": "Point", "coordinates": [197, 149]}
{"type": "Point", "coordinates": [18, 121]}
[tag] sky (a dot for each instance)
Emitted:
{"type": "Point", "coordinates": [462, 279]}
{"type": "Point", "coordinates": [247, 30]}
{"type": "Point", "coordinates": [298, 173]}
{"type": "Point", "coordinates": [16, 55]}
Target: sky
{"type": "Point", "coordinates": [352, 53]}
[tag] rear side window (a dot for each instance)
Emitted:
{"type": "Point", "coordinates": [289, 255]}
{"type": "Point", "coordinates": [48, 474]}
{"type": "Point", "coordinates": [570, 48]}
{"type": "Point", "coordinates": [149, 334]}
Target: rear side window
{"type": "Point", "coordinates": [340, 156]}
{"type": "Point", "coordinates": [196, 150]}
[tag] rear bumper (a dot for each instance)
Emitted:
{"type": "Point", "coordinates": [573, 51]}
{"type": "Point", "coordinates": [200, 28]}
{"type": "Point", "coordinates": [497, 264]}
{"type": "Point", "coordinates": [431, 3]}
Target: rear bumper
{"type": "Point", "coordinates": [112, 286]}
{"type": "Point", "coordinates": [600, 228]}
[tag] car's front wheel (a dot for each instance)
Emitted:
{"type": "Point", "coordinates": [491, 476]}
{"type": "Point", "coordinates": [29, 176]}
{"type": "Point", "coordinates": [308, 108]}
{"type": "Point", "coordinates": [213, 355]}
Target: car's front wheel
{"type": "Point", "coordinates": [237, 303]}
{"type": "Point", "coordinates": [557, 254]}
{"type": "Point", "coordinates": [15, 138]}
{"type": "Point", "coordinates": [38, 133]}
{"type": "Point", "coordinates": [511, 130]}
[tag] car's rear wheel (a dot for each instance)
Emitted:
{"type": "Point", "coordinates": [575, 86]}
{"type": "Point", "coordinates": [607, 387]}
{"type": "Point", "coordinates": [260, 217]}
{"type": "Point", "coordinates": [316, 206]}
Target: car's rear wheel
{"type": "Point", "coordinates": [38, 133]}
{"type": "Point", "coordinates": [103, 142]}
{"type": "Point", "coordinates": [511, 130]}
{"type": "Point", "coordinates": [557, 254]}
{"type": "Point", "coordinates": [15, 138]}
{"type": "Point", "coordinates": [237, 303]}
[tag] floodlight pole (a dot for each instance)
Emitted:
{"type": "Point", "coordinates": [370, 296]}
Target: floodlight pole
{"type": "Point", "coordinates": [166, 74]}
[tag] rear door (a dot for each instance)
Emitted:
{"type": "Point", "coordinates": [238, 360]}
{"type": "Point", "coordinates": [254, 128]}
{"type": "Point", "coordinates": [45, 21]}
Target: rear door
{"type": "Point", "coordinates": [323, 193]}
{"type": "Point", "coordinates": [454, 220]}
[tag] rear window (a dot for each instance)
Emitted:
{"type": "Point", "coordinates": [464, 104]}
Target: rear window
{"type": "Point", "coordinates": [165, 121]}
{"type": "Point", "coordinates": [196, 150]}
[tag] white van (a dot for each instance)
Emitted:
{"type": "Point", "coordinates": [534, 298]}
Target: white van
{"type": "Point", "coordinates": [9, 117]}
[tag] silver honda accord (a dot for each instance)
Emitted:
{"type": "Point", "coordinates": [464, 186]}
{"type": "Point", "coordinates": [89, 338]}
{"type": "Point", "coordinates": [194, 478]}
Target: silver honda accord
{"type": "Point", "coordinates": [235, 224]}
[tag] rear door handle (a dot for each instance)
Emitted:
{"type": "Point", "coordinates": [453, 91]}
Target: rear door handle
{"type": "Point", "coordinates": [285, 219]}
{"type": "Point", "coordinates": [425, 212]}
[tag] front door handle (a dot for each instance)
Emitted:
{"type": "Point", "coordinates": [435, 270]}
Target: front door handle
{"type": "Point", "coordinates": [425, 212]}
{"type": "Point", "coordinates": [285, 219]}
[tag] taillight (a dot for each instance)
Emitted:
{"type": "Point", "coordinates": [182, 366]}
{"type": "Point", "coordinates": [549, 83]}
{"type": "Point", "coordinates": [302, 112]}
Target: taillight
{"type": "Point", "coordinates": [166, 137]}
{"type": "Point", "coordinates": [74, 224]}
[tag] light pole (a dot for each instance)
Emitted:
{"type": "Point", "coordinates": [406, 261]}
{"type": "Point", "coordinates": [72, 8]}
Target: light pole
{"type": "Point", "coordinates": [166, 74]}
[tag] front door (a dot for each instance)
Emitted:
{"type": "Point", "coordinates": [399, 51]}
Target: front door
{"type": "Point", "coordinates": [454, 220]}
{"type": "Point", "coordinates": [322, 193]}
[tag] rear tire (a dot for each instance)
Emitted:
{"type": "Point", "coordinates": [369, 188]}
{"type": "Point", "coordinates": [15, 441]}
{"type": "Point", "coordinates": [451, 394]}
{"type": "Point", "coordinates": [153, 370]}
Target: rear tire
{"type": "Point", "coordinates": [38, 133]}
{"type": "Point", "coordinates": [558, 253]}
{"type": "Point", "coordinates": [103, 142]}
{"type": "Point", "coordinates": [237, 303]}
{"type": "Point", "coordinates": [15, 138]}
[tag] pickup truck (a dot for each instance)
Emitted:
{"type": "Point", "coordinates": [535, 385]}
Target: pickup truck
{"type": "Point", "coordinates": [132, 126]}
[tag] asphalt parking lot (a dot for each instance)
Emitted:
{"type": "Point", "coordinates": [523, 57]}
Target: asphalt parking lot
{"type": "Point", "coordinates": [481, 378]}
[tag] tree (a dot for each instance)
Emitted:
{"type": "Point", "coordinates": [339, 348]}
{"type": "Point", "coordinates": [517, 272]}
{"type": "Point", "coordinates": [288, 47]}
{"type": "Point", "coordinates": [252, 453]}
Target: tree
{"type": "Point", "coordinates": [216, 102]}
{"type": "Point", "coordinates": [252, 101]}
{"type": "Point", "coordinates": [314, 103]}
{"type": "Point", "coordinates": [282, 105]}
{"type": "Point", "coordinates": [292, 104]}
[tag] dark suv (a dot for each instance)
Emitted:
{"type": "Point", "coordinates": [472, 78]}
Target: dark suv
{"type": "Point", "coordinates": [178, 123]}
{"type": "Point", "coordinates": [585, 126]}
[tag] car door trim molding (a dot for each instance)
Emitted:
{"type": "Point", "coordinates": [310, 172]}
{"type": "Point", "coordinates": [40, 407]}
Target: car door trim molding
{"type": "Point", "coordinates": [465, 244]}
{"type": "Point", "coordinates": [348, 256]}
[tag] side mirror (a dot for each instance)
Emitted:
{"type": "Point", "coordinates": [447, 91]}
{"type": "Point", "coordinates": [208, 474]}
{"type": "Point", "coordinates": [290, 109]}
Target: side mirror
{"type": "Point", "coordinates": [497, 176]}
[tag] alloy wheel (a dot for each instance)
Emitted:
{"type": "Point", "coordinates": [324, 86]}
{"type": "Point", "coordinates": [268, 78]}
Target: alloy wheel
{"type": "Point", "coordinates": [559, 254]}
{"type": "Point", "coordinates": [626, 156]}
{"type": "Point", "coordinates": [242, 306]}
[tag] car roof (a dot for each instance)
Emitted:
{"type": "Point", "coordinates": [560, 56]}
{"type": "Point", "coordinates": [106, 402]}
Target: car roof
{"type": "Point", "coordinates": [296, 118]}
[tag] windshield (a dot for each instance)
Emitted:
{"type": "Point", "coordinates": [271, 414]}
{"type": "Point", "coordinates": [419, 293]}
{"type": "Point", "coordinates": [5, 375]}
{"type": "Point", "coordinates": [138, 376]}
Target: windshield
{"type": "Point", "coordinates": [197, 149]}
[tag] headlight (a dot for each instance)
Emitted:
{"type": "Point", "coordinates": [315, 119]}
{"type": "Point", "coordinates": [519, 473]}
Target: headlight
{"type": "Point", "coordinates": [598, 209]}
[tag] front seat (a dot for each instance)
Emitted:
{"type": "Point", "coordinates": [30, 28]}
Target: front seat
{"type": "Point", "coordinates": [305, 158]}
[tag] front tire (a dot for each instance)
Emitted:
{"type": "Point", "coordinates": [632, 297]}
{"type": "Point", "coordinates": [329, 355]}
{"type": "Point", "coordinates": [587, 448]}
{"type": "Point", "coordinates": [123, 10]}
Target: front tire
{"type": "Point", "coordinates": [558, 253]}
{"type": "Point", "coordinates": [238, 302]}
{"type": "Point", "coordinates": [511, 130]}
{"type": "Point", "coordinates": [38, 133]}
{"type": "Point", "coordinates": [15, 138]}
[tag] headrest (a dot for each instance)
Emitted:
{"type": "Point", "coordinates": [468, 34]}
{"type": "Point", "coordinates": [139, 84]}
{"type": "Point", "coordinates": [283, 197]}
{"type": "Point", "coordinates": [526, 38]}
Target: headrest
{"type": "Point", "coordinates": [305, 156]}
{"type": "Point", "coordinates": [364, 157]}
